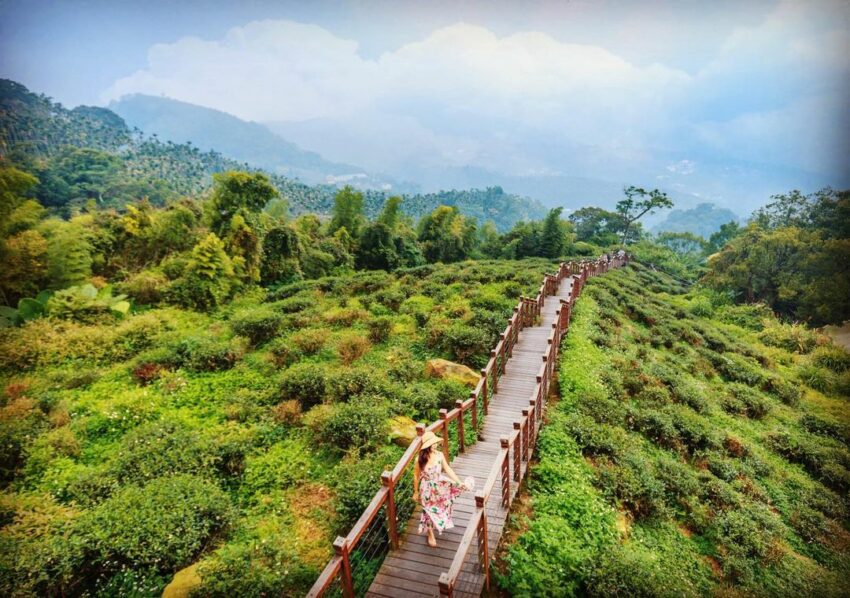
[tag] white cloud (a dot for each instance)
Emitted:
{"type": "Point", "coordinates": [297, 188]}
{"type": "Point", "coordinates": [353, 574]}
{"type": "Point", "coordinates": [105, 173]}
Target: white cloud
{"type": "Point", "coordinates": [775, 92]}
{"type": "Point", "coordinates": [281, 70]}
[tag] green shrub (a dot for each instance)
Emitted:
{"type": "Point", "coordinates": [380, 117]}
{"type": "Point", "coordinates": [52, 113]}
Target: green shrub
{"type": "Point", "coordinates": [310, 340]}
{"type": "Point", "coordinates": [631, 483]}
{"type": "Point", "coordinates": [795, 338]}
{"type": "Point", "coordinates": [206, 354]}
{"type": "Point", "coordinates": [749, 316]}
{"type": "Point", "coordinates": [41, 551]}
{"type": "Point", "coordinates": [257, 324]}
{"type": "Point", "coordinates": [20, 421]}
{"type": "Point", "coordinates": [750, 536]}
{"type": "Point", "coordinates": [818, 378]}
{"type": "Point", "coordinates": [348, 383]}
{"type": "Point", "coordinates": [831, 357]}
{"type": "Point", "coordinates": [284, 352]}
{"type": "Point", "coordinates": [163, 524]}
{"type": "Point", "coordinates": [356, 480]}
{"type": "Point", "coordinates": [361, 423]}
{"type": "Point", "coordinates": [292, 305]}
{"type": "Point", "coordinates": [305, 383]}
{"type": "Point", "coordinates": [783, 390]}
{"type": "Point", "coordinates": [146, 287]}
{"type": "Point", "coordinates": [379, 329]}
{"type": "Point", "coordinates": [744, 400]}
{"type": "Point", "coordinates": [464, 343]}
{"type": "Point", "coordinates": [418, 306]}
{"type": "Point", "coordinates": [701, 306]}
{"type": "Point", "coordinates": [161, 448]}
{"type": "Point", "coordinates": [281, 466]}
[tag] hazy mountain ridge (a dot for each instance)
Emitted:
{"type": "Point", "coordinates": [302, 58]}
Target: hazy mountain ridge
{"type": "Point", "coordinates": [251, 142]}
{"type": "Point", "coordinates": [32, 127]}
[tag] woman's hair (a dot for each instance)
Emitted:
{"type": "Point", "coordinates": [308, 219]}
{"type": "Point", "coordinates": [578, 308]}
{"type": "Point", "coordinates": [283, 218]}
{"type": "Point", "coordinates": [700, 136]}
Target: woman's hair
{"type": "Point", "coordinates": [424, 455]}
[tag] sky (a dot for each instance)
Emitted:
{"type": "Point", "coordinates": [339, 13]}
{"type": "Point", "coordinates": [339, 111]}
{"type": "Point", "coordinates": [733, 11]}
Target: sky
{"type": "Point", "coordinates": [720, 101]}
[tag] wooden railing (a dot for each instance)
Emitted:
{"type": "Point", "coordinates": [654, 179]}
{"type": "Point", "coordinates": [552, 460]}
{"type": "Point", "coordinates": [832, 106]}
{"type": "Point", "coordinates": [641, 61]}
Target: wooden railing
{"type": "Point", "coordinates": [339, 568]}
{"type": "Point", "coordinates": [521, 441]}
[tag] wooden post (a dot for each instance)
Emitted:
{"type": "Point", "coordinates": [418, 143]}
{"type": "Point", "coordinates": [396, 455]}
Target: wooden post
{"type": "Point", "coordinates": [484, 390]}
{"type": "Point", "coordinates": [505, 351]}
{"type": "Point", "coordinates": [506, 473]}
{"type": "Point", "coordinates": [445, 585]}
{"type": "Point", "coordinates": [474, 398]}
{"type": "Point", "coordinates": [461, 433]}
{"type": "Point", "coordinates": [517, 456]}
{"type": "Point", "coordinates": [387, 480]}
{"type": "Point", "coordinates": [525, 435]}
{"type": "Point", "coordinates": [483, 545]}
{"type": "Point", "coordinates": [444, 417]}
{"type": "Point", "coordinates": [346, 581]}
{"type": "Point", "coordinates": [495, 370]}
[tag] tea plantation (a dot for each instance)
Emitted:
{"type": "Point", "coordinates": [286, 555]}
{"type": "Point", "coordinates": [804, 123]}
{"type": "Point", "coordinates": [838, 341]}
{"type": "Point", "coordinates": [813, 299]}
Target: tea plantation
{"type": "Point", "coordinates": [244, 439]}
{"type": "Point", "coordinates": [698, 448]}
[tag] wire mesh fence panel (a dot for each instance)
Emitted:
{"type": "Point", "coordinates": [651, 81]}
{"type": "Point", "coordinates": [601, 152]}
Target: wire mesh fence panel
{"type": "Point", "coordinates": [404, 504]}
{"type": "Point", "coordinates": [334, 590]}
{"type": "Point", "coordinates": [368, 555]}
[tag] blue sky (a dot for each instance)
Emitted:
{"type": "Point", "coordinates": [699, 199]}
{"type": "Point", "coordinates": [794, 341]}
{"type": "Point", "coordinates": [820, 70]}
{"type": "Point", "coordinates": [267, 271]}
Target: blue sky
{"type": "Point", "coordinates": [725, 101]}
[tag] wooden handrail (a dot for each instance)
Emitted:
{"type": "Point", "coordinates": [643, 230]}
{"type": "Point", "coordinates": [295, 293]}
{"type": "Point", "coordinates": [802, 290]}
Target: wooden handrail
{"type": "Point", "coordinates": [521, 440]}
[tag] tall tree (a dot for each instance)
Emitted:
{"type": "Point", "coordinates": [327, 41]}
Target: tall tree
{"type": "Point", "coordinates": [347, 212]}
{"type": "Point", "coordinates": [238, 192]}
{"type": "Point", "coordinates": [553, 239]}
{"type": "Point", "coordinates": [637, 204]}
{"type": "Point", "coordinates": [446, 235]}
{"type": "Point", "coordinates": [390, 213]}
{"type": "Point", "coordinates": [595, 225]}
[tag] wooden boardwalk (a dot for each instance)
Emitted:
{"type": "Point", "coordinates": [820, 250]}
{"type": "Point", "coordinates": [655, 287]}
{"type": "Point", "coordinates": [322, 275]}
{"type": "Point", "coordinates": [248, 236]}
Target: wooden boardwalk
{"type": "Point", "coordinates": [414, 569]}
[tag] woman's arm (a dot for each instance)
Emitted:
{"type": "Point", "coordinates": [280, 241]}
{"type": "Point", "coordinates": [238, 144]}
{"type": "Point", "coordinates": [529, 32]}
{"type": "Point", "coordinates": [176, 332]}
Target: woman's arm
{"type": "Point", "coordinates": [450, 472]}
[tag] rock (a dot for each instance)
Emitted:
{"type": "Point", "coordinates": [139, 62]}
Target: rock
{"type": "Point", "coordinates": [184, 582]}
{"type": "Point", "coordinates": [448, 370]}
{"type": "Point", "coordinates": [402, 430]}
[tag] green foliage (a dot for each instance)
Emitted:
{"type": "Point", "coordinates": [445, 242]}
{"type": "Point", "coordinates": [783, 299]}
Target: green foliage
{"type": "Point", "coordinates": [162, 524]}
{"type": "Point", "coordinates": [305, 383]}
{"type": "Point", "coordinates": [638, 203]}
{"type": "Point", "coordinates": [360, 423]}
{"type": "Point", "coordinates": [795, 234]}
{"type": "Point", "coordinates": [86, 304]}
{"type": "Point", "coordinates": [347, 212]}
{"type": "Point", "coordinates": [446, 235]}
{"type": "Point", "coordinates": [257, 324]}
{"type": "Point", "coordinates": [238, 193]}
{"type": "Point", "coordinates": [209, 279]}
{"type": "Point", "coordinates": [670, 414]}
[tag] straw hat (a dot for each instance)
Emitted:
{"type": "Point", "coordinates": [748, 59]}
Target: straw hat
{"type": "Point", "coordinates": [429, 439]}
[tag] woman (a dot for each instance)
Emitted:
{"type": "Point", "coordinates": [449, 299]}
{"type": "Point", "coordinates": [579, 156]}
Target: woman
{"type": "Point", "coordinates": [436, 486]}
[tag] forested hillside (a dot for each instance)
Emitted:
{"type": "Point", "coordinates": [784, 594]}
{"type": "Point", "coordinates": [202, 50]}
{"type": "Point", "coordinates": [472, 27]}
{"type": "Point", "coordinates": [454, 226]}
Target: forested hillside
{"type": "Point", "coordinates": [89, 153]}
{"type": "Point", "coordinates": [698, 448]}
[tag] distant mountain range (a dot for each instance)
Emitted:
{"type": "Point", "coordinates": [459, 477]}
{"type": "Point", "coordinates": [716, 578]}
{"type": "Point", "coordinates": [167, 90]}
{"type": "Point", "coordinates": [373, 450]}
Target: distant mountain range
{"type": "Point", "coordinates": [208, 129]}
{"type": "Point", "coordinates": [33, 127]}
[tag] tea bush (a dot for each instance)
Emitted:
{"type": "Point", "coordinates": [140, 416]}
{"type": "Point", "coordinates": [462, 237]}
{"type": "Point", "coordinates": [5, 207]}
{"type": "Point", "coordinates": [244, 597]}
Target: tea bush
{"type": "Point", "coordinates": [305, 383]}
{"type": "Point", "coordinates": [162, 524]}
{"type": "Point", "coordinates": [257, 324]}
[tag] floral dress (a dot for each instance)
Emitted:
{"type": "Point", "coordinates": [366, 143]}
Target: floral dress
{"type": "Point", "coordinates": [437, 493]}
